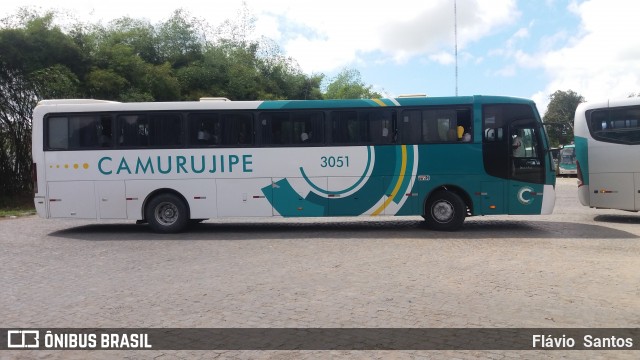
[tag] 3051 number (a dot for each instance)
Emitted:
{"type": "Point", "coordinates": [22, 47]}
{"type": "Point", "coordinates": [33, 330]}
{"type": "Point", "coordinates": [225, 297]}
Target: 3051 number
{"type": "Point", "coordinates": [334, 161]}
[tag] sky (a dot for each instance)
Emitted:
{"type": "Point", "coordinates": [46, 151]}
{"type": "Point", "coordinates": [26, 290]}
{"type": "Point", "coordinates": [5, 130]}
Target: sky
{"type": "Point", "coordinates": [523, 48]}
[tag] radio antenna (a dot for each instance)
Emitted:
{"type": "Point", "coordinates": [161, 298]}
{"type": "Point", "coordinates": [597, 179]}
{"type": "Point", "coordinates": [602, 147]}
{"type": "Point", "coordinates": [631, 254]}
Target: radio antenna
{"type": "Point", "coordinates": [455, 36]}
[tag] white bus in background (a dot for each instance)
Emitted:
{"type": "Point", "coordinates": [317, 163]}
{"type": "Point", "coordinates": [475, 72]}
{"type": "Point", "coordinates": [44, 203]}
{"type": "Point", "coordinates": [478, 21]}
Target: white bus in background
{"type": "Point", "coordinates": [607, 143]}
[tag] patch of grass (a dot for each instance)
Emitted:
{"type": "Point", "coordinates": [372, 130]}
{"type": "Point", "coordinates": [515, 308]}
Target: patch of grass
{"type": "Point", "coordinates": [17, 205]}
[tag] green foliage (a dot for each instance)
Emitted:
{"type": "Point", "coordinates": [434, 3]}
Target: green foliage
{"type": "Point", "coordinates": [560, 114]}
{"type": "Point", "coordinates": [178, 40]}
{"type": "Point", "coordinates": [348, 84]}
{"type": "Point", "coordinates": [39, 44]}
{"type": "Point", "coordinates": [18, 98]}
{"type": "Point", "coordinates": [104, 83]}
{"type": "Point", "coordinates": [161, 82]}
{"type": "Point", "coordinates": [56, 82]}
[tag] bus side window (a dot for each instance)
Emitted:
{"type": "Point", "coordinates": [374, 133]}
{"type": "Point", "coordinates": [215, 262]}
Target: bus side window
{"type": "Point", "coordinates": [79, 132]}
{"type": "Point", "coordinates": [204, 129]}
{"type": "Point", "coordinates": [410, 127]}
{"type": "Point", "coordinates": [345, 127]}
{"type": "Point", "coordinates": [381, 127]}
{"type": "Point", "coordinates": [308, 127]}
{"type": "Point", "coordinates": [105, 132]}
{"type": "Point", "coordinates": [464, 121]}
{"type": "Point", "coordinates": [164, 130]}
{"type": "Point", "coordinates": [433, 125]}
{"type": "Point", "coordinates": [133, 130]}
{"type": "Point", "coordinates": [446, 124]}
{"type": "Point", "coordinates": [237, 129]}
{"type": "Point", "coordinates": [58, 133]}
{"type": "Point", "coordinates": [276, 128]}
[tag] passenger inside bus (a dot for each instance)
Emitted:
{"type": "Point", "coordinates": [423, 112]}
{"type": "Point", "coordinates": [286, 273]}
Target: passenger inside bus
{"type": "Point", "coordinates": [516, 145]}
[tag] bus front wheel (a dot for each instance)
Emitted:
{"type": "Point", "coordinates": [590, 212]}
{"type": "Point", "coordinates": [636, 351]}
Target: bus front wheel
{"type": "Point", "coordinates": [167, 213]}
{"type": "Point", "coordinates": [445, 211]}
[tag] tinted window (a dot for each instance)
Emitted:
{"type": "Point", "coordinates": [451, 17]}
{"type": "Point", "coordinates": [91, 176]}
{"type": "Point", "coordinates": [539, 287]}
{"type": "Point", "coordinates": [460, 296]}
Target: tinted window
{"type": "Point", "coordinates": [237, 129]}
{"type": "Point", "coordinates": [616, 125]}
{"type": "Point", "coordinates": [504, 127]}
{"type": "Point", "coordinates": [78, 132]}
{"type": "Point", "coordinates": [363, 127]}
{"type": "Point", "coordinates": [226, 129]}
{"type": "Point", "coordinates": [434, 125]}
{"type": "Point", "coordinates": [292, 128]}
{"type": "Point", "coordinates": [527, 157]}
{"type": "Point", "coordinates": [149, 130]}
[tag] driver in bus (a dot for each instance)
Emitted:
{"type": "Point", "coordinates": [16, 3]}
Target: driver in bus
{"type": "Point", "coordinates": [516, 145]}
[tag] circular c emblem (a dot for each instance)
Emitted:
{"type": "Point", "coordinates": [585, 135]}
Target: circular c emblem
{"type": "Point", "coordinates": [524, 195]}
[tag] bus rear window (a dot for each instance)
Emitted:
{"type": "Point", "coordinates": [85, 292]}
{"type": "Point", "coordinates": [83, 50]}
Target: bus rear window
{"type": "Point", "coordinates": [616, 126]}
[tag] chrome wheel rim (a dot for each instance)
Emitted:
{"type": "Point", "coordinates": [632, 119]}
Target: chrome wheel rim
{"type": "Point", "coordinates": [443, 211]}
{"type": "Point", "coordinates": [166, 213]}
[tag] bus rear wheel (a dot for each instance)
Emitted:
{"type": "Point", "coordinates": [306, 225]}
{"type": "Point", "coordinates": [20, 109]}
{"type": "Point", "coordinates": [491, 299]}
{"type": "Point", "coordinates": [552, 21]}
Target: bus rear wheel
{"type": "Point", "coordinates": [167, 213]}
{"type": "Point", "coordinates": [445, 211]}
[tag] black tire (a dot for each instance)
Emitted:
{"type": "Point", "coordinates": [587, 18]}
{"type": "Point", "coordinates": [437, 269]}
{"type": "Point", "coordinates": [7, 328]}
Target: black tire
{"type": "Point", "coordinates": [445, 211]}
{"type": "Point", "coordinates": [167, 213]}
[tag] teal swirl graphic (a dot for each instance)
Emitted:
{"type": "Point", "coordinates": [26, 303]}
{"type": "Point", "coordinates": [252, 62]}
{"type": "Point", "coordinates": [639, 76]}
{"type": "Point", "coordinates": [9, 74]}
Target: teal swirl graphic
{"type": "Point", "coordinates": [390, 179]}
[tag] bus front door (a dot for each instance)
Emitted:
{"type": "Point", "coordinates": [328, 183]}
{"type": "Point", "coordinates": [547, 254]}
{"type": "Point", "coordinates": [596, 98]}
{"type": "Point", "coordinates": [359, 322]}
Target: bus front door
{"type": "Point", "coordinates": [527, 168]}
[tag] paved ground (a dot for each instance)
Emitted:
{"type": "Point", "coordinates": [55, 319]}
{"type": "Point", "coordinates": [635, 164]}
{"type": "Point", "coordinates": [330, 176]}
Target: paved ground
{"type": "Point", "coordinates": [576, 268]}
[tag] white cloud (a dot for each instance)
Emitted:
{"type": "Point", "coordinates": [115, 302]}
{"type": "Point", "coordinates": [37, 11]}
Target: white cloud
{"type": "Point", "coordinates": [526, 60]}
{"type": "Point", "coordinates": [603, 59]}
{"type": "Point", "coordinates": [268, 26]}
{"type": "Point", "coordinates": [443, 57]}
{"type": "Point", "coordinates": [507, 71]}
{"type": "Point", "coordinates": [542, 101]}
{"type": "Point", "coordinates": [522, 33]}
{"type": "Point", "coordinates": [340, 32]}
{"type": "Point", "coordinates": [513, 57]}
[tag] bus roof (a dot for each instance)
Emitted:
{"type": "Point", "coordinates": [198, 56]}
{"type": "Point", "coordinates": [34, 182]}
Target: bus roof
{"type": "Point", "coordinates": [73, 105]}
{"type": "Point", "coordinates": [603, 104]}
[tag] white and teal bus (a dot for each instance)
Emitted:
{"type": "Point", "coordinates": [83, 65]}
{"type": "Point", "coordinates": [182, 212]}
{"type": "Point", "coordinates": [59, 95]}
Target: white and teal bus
{"type": "Point", "coordinates": [175, 163]}
{"type": "Point", "coordinates": [566, 163]}
{"type": "Point", "coordinates": [607, 139]}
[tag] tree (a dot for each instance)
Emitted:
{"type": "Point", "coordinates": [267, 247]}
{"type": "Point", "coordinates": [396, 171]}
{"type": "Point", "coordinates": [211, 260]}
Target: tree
{"type": "Point", "coordinates": [20, 94]}
{"type": "Point", "coordinates": [37, 60]}
{"type": "Point", "coordinates": [138, 35]}
{"type": "Point", "coordinates": [179, 40]}
{"type": "Point", "coordinates": [348, 84]}
{"type": "Point", "coordinates": [559, 114]}
{"type": "Point", "coordinates": [39, 44]}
